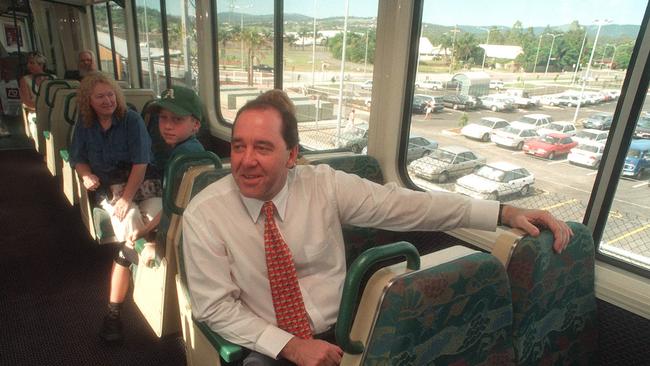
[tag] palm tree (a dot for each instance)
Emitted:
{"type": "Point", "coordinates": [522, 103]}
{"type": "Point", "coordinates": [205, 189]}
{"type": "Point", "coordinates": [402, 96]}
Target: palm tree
{"type": "Point", "coordinates": [254, 40]}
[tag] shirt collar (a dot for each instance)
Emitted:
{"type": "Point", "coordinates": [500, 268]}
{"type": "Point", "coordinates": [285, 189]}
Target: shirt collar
{"type": "Point", "coordinates": [254, 206]}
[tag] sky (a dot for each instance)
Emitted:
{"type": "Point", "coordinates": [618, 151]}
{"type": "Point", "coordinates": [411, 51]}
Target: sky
{"type": "Point", "coordinates": [461, 12]}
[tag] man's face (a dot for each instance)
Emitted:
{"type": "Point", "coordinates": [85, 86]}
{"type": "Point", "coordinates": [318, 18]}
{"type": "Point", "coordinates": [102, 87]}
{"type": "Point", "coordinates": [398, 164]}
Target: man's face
{"type": "Point", "coordinates": [86, 63]}
{"type": "Point", "coordinates": [259, 156]}
{"type": "Point", "coordinates": [174, 128]}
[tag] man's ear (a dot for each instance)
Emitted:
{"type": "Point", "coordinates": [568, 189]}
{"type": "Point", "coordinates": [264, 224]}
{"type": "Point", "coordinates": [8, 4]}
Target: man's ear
{"type": "Point", "coordinates": [293, 157]}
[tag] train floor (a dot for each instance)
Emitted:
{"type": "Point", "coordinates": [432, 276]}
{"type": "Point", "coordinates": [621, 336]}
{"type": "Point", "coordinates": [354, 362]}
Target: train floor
{"type": "Point", "coordinates": [54, 279]}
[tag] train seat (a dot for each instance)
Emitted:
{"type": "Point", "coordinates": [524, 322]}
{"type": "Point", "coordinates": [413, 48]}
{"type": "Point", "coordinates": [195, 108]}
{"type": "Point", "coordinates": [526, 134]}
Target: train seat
{"type": "Point", "coordinates": [56, 136]}
{"type": "Point", "coordinates": [450, 307]}
{"type": "Point", "coordinates": [154, 289]}
{"type": "Point", "coordinates": [44, 104]}
{"type": "Point", "coordinates": [138, 98]}
{"type": "Point", "coordinates": [553, 298]}
{"type": "Point", "coordinates": [68, 175]}
{"type": "Point", "coordinates": [29, 116]}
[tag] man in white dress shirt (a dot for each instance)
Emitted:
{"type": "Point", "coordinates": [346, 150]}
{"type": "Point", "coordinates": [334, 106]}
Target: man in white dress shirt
{"type": "Point", "coordinates": [223, 233]}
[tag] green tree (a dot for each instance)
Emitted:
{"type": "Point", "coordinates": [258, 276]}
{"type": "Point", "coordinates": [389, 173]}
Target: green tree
{"type": "Point", "coordinates": [254, 40]}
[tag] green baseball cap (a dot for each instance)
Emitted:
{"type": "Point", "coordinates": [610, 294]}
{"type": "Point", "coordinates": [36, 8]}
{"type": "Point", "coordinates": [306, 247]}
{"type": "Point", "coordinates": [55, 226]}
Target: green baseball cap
{"type": "Point", "coordinates": [181, 101]}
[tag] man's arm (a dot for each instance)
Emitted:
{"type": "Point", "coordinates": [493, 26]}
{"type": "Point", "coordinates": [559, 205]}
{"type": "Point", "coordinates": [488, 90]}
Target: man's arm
{"type": "Point", "coordinates": [307, 352]}
{"type": "Point", "coordinates": [529, 221]}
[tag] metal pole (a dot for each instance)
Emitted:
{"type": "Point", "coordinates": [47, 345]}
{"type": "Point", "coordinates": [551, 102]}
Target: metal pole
{"type": "Point", "coordinates": [487, 43]}
{"type": "Point", "coordinates": [537, 54]}
{"type": "Point", "coordinates": [453, 47]}
{"type": "Point", "coordinates": [313, 51]}
{"type": "Point", "coordinates": [550, 51]}
{"type": "Point", "coordinates": [365, 59]}
{"type": "Point", "coordinates": [584, 80]}
{"type": "Point", "coordinates": [345, 38]}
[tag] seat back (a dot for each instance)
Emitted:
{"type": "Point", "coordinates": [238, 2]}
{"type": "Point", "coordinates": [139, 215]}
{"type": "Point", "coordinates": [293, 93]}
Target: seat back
{"type": "Point", "coordinates": [59, 129]}
{"type": "Point", "coordinates": [138, 97]}
{"type": "Point", "coordinates": [553, 297]}
{"type": "Point", "coordinates": [44, 103]}
{"type": "Point", "coordinates": [69, 176]}
{"type": "Point", "coordinates": [453, 309]}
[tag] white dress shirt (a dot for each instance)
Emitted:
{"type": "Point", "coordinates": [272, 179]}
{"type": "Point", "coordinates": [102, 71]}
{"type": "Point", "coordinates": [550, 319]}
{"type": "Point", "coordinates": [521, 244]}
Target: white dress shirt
{"type": "Point", "coordinates": [223, 236]}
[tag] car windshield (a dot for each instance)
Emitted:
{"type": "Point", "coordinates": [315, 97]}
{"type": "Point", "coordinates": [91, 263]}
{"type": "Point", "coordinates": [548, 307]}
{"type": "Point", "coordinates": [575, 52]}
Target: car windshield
{"type": "Point", "coordinates": [587, 135]}
{"type": "Point", "coordinates": [634, 153]}
{"type": "Point", "coordinates": [590, 148]}
{"type": "Point", "coordinates": [599, 117]}
{"type": "Point", "coordinates": [512, 130]}
{"type": "Point", "coordinates": [443, 155]}
{"type": "Point", "coordinates": [528, 120]}
{"type": "Point", "coordinates": [486, 123]}
{"type": "Point", "coordinates": [555, 127]}
{"type": "Point", "coordinates": [550, 140]}
{"type": "Point", "coordinates": [491, 173]}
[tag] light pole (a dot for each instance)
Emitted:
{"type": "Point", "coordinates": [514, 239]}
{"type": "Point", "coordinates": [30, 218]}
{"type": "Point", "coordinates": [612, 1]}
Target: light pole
{"type": "Point", "coordinates": [537, 54]}
{"type": "Point", "coordinates": [342, 75]}
{"type": "Point", "coordinates": [453, 46]}
{"type": "Point", "coordinates": [241, 29]}
{"type": "Point", "coordinates": [313, 50]}
{"type": "Point", "coordinates": [487, 43]}
{"type": "Point", "coordinates": [600, 23]}
{"type": "Point", "coordinates": [575, 72]}
{"type": "Point", "coordinates": [611, 64]}
{"type": "Point", "coordinates": [365, 58]}
{"type": "Point", "coordinates": [550, 51]}
{"type": "Point", "coordinates": [602, 58]}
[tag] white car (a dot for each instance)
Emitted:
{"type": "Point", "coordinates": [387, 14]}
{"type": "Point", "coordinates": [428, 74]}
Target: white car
{"type": "Point", "coordinates": [535, 120]}
{"type": "Point", "coordinates": [513, 136]}
{"type": "Point", "coordinates": [496, 84]}
{"type": "Point", "coordinates": [496, 103]}
{"type": "Point", "coordinates": [429, 84]}
{"type": "Point", "coordinates": [567, 128]}
{"type": "Point", "coordinates": [496, 180]}
{"type": "Point", "coordinates": [446, 162]}
{"type": "Point", "coordinates": [587, 154]}
{"type": "Point", "coordinates": [483, 128]}
{"type": "Point", "coordinates": [588, 135]}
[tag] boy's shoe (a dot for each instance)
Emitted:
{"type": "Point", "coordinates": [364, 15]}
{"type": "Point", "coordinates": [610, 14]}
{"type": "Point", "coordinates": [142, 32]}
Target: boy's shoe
{"type": "Point", "coordinates": [112, 330]}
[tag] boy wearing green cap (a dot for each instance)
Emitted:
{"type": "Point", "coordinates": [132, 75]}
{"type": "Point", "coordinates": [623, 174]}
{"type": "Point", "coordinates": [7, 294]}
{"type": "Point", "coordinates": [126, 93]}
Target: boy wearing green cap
{"type": "Point", "coordinates": [179, 112]}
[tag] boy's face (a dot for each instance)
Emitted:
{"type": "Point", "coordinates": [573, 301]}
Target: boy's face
{"type": "Point", "coordinates": [174, 128]}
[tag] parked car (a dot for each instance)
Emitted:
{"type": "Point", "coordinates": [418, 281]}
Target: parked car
{"type": "Point", "coordinates": [550, 146]}
{"type": "Point", "coordinates": [496, 104]}
{"type": "Point", "coordinates": [599, 121]}
{"type": "Point", "coordinates": [521, 99]}
{"type": "Point", "coordinates": [565, 100]}
{"type": "Point", "coordinates": [591, 136]}
{"type": "Point", "coordinates": [535, 120]}
{"type": "Point", "coordinates": [459, 101]}
{"type": "Point", "coordinates": [446, 162]}
{"type": "Point", "coordinates": [587, 154]}
{"type": "Point", "coordinates": [637, 161]}
{"type": "Point", "coordinates": [566, 128]}
{"type": "Point", "coordinates": [354, 139]}
{"type": "Point", "coordinates": [367, 85]}
{"type": "Point", "coordinates": [496, 180]}
{"type": "Point", "coordinates": [430, 84]}
{"type": "Point", "coordinates": [513, 136]}
{"type": "Point", "coordinates": [496, 84]}
{"type": "Point", "coordinates": [419, 147]}
{"type": "Point", "coordinates": [420, 102]}
{"type": "Point", "coordinates": [642, 129]}
{"type": "Point", "coordinates": [483, 128]}
{"type": "Point", "coordinates": [263, 67]}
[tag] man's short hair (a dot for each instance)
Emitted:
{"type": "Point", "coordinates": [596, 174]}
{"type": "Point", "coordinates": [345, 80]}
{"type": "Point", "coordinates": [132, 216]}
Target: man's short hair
{"type": "Point", "coordinates": [91, 53]}
{"type": "Point", "coordinates": [38, 58]}
{"type": "Point", "coordinates": [278, 100]}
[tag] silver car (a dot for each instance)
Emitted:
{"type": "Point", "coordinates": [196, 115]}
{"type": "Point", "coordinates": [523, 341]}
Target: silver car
{"type": "Point", "coordinates": [446, 162]}
{"type": "Point", "coordinates": [496, 180]}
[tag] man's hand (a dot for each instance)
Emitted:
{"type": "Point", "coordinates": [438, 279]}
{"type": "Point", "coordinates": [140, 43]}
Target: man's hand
{"type": "Point", "coordinates": [311, 352]}
{"type": "Point", "coordinates": [90, 182]}
{"type": "Point", "coordinates": [530, 220]}
{"type": "Point", "coordinates": [121, 207]}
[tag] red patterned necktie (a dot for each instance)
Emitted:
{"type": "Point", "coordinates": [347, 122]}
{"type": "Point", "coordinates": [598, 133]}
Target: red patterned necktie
{"type": "Point", "coordinates": [287, 300]}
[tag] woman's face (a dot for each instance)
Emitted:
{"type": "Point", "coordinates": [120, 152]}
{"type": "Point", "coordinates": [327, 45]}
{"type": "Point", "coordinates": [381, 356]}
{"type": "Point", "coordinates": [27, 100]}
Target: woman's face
{"type": "Point", "coordinates": [102, 100]}
{"type": "Point", "coordinates": [34, 67]}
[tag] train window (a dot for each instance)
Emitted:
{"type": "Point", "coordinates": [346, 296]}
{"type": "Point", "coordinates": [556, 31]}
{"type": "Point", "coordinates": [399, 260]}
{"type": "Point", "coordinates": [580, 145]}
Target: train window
{"type": "Point", "coordinates": [111, 38]}
{"type": "Point", "coordinates": [122, 58]}
{"type": "Point", "coordinates": [531, 87]}
{"type": "Point", "coordinates": [151, 44]}
{"type": "Point", "coordinates": [316, 78]}
{"type": "Point", "coordinates": [246, 53]}
{"type": "Point", "coordinates": [103, 30]}
{"type": "Point", "coordinates": [181, 31]}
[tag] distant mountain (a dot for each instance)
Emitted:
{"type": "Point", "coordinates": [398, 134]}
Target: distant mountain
{"type": "Point", "coordinates": [607, 31]}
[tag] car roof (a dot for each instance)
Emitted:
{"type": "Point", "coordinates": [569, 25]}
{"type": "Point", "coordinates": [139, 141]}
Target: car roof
{"type": "Point", "coordinates": [562, 123]}
{"type": "Point", "coordinates": [504, 165]}
{"type": "Point", "coordinates": [558, 135]}
{"type": "Point", "coordinates": [494, 119]}
{"type": "Point", "coordinates": [456, 149]}
{"type": "Point", "coordinates": [522, 126]}
{"type": "Point", "coordinates": [537, 115]}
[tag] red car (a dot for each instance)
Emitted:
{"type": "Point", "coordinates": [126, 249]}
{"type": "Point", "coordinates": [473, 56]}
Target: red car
{"type": "Point", "coordinates": [550, 146]}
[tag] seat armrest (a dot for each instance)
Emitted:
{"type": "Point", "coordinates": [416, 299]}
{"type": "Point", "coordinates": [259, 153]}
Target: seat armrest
{"type": "Point", "coordinates": [139, 245]}
{"type": "Point", "coordinates": [65, 155]}
{"type": "Point", "coordinates": [230, 352]}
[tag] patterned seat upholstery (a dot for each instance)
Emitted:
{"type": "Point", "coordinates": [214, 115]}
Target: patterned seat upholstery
{"type": "Point", "coordinates": [553, 300]}
{"type": "Point", "coordinates": [454, 310]}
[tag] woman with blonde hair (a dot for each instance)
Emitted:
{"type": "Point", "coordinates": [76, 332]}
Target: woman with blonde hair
{"type": "Point", "coordinates": [110, 151]}
{"type": "Point", "coordinates": [36, 67]}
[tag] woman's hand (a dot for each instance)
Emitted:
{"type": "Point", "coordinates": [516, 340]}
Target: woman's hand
{"type": "Point", "coordinates": [121, 207]}
{"type": "Point", "coordinates": [90, 182]}
{"type": "Point", "coordinates": [135, 235]}
{"type": "Point", "coordinates": [148, 254]}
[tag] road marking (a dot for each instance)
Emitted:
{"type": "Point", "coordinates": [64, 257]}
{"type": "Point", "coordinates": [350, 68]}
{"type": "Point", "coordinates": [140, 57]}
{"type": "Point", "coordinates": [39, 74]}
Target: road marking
{"type": "Point", "coordinates": [642, 228]}
{"type": "Point", "coordinates": [560, 204]}
{"type": "Point", "coordinates": [615, 215]}
{"type": "Point", "coordinates": [557, 162]}
{"type": "Point", "coordinates": [640, 185]}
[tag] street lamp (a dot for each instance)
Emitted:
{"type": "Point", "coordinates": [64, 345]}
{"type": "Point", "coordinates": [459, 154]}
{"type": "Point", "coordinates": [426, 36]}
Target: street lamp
{"type": "Point", "coordinates": [313, 50]}
{"type": "Point", "coordinates": [551, 50]}
{"type": "Point", "coordinates": [537, 54]}
{"type": "Point", "coordinates": [453, 46]}
{"type": "Point", "coordinates": [600, 23]}
{"type": "Point", "coordinates": [341, 77]}
{"type": "Point", "coordinates": [487, 42]}
{"type": "Point", "coordinates": [241, 28]}
{"type": "Point", "coordinates": [611, 64]}
{"type": "Point", "coordinates": [602, 58]}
